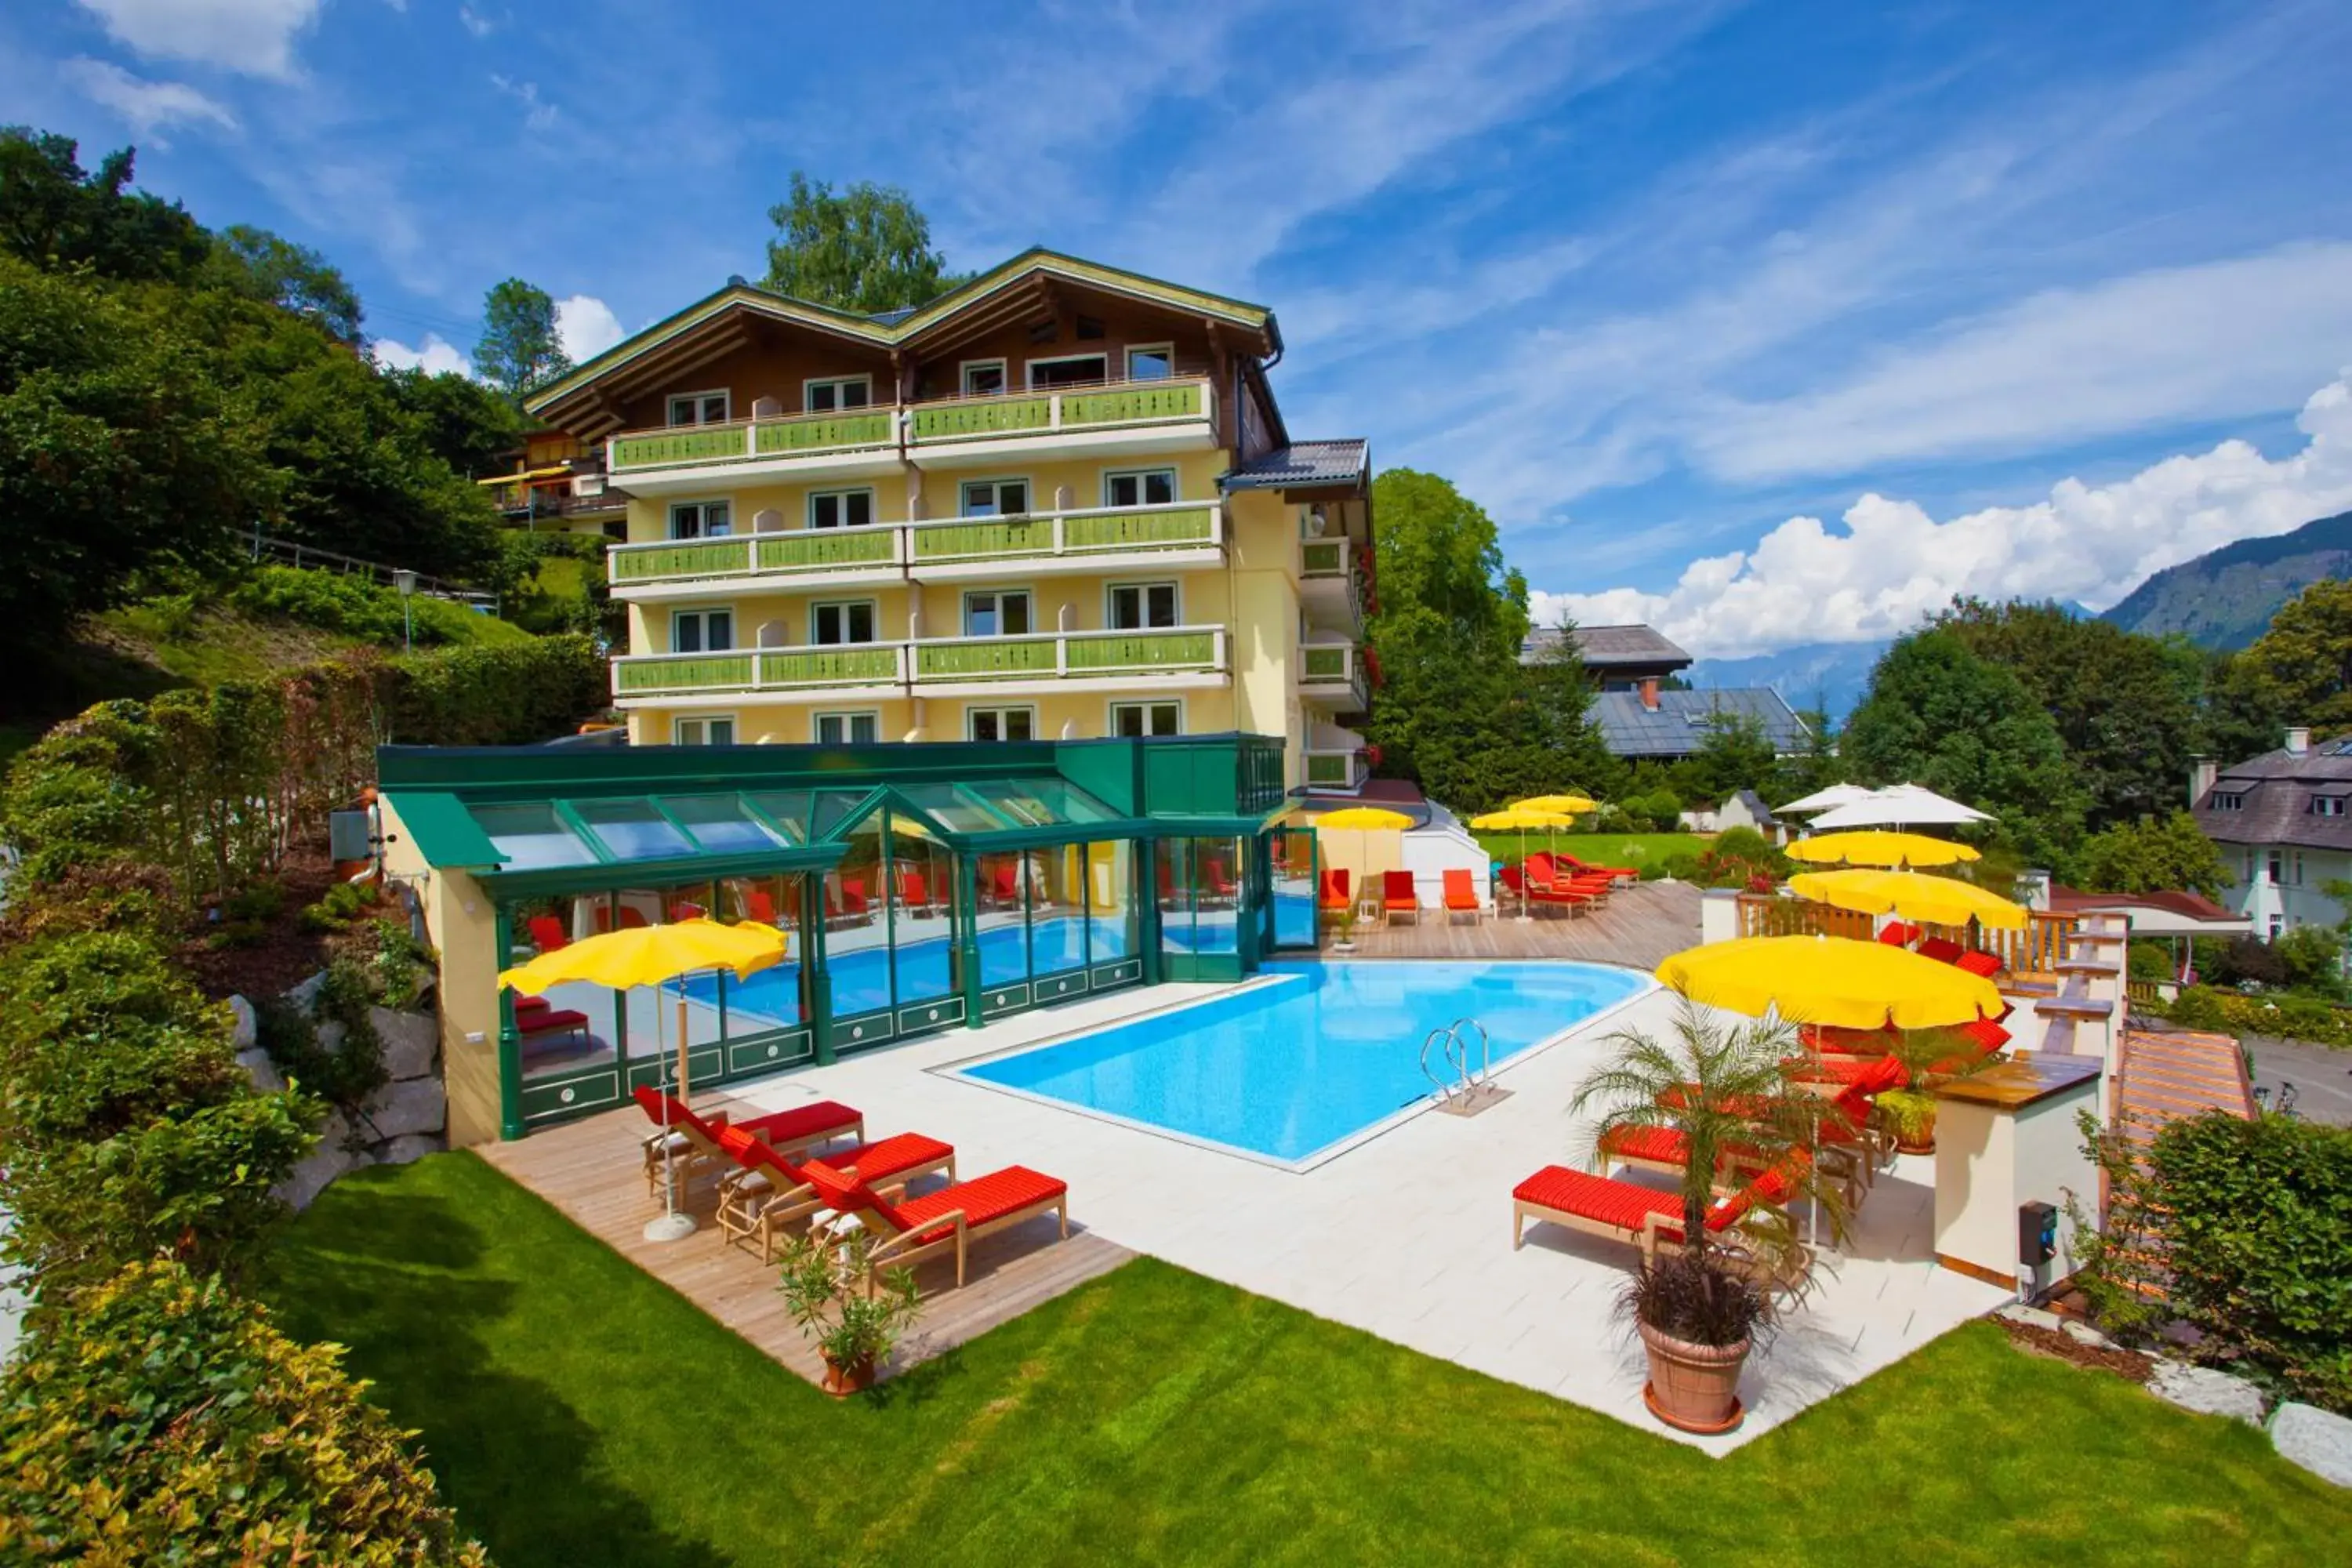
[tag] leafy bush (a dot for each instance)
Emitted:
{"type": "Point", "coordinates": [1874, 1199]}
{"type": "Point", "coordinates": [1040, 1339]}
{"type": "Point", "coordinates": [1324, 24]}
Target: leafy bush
{"type": "Point", "coordinates": [359, 607]}
{"type": "Point", "coordinates": [2313, 958]}
{"type": "Point", "coordinates": [2228, 1011]}
{"type": "Point", "coordinates": [164, 1420]}
{"type": "Point", "coordinates": [1682, 865]}
{"type": "Point", "coordinates": [2151, 961]}
{"type": "Point", "coordinates": [335, 909]}
{"type": "Point", "coordinates": [344, 1073]}
{"type": "Point", "coordinates": [513, 694]}
{"type": "Point", "coordinates": [2242, 1229]}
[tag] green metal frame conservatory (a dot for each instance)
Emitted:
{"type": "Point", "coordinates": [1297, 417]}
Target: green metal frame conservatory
{"type": "Point", "coordinates": [920, 888]}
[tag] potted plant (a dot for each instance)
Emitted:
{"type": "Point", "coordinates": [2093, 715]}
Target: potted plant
{"type": "Point", "coordinates": [1729, 1092]}
{"type": "Point", "coordinates": [1343, 927]}
{"type": "Point", "coordinates": [855, 1315]}
{"type": "Point", "coordinates": [1929, 1056]}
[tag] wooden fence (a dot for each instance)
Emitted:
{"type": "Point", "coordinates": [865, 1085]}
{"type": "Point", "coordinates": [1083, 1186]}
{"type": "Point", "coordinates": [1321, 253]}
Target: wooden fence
{"type": "Point", "coordinates": [2029, 953]}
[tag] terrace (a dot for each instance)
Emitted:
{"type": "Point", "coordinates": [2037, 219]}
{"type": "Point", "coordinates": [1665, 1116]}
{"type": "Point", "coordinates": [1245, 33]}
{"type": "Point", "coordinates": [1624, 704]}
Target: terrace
{"type": "Point", "coordinates": [1177, 658]}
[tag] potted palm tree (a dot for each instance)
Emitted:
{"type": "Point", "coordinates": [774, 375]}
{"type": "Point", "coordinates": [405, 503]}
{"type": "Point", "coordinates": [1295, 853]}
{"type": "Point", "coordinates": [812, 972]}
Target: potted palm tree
{"type": "Point", "coordinates": [1929, 1056]}
{"type": "Point", "coordinates": [1729, 1093]}
{"type": "Point", "coordinates": [855, 1315]}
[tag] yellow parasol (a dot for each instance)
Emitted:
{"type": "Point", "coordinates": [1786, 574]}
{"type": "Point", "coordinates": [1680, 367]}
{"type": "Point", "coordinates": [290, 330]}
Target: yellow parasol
{"type": "Point", "coordinates": [1521, 818]}
{"type": "Point", "coordinates": [1361, 820]}
{"type": "Point", "coordinates": [1567, 805]}
{"type": "Point", "coordinates": [1830, 980]}
{"type": "Point", "coordinates": [1870, 847]}
{"type": "Point", "coordinates": [655, 955]}
{"type": "Point", "coordinates": [1938, 901]}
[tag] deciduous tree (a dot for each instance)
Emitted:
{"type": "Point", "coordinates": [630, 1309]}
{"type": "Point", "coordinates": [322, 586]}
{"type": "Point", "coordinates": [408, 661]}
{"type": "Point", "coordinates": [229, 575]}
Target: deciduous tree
{"type": "Point", "coordinates": [863, 249]}
{"type": "Point", "coordinates": [2304, 662]}
{"type": "Point", "coordinates": [2153, 856]}
{"type": "Point", "coordinates": [262, 266]}
{"type": "Point", "coordinates": [54, 214]}
{"type": "Point", "coordinates": [519, 348]}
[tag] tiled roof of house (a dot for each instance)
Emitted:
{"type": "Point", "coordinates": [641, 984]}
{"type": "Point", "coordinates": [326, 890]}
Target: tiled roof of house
{"type": "Point", "coordinates": [2189, 905]}
{"type": "Point", "coordinates": [2268, 799]}
{"type": "Point", "coordinates": [1303, 464]}
{"type": "Point", "coordinates": [1678, 726]}
{"type": "Point", "coordinates": [1604, 647]}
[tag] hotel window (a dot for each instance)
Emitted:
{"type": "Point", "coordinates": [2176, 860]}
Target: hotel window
{"type": "Point", "coordinates": [2274, 866]}
{"type": "Point", "coordinates": [2229, 801]}
{"type": "Point", "coordinates": [1142, 486]}
{"type": "Point", "coordinates": [840, 509]}
{"type": "Point", "coordinates": [699, 409]}
{"type": "Point", "coordinates": [701, 520]}
{"type": "Point", "coordinates": [1150, 361]}
{"type": "Point", "coordinates": [995, 498]}
{"type": "Point", "coordinates": [2296, 865]}
{"type": "Point", "coordinates": [702, 731]}
{"type": "Point", "coordinates": [848, 729]}
{"type": "Point", "coordinates": [2328, 806]}
{"type": "Point", "coordinates": [996, 613]}
{"type": "Point", "coordinates": [1140, 606]}
{"type": "Point", "coordinates": [842, 392]}
{"type": "Point", "coordinates": [1072, 370]}
{"type": "Point", "coordinates": [702, 631]}
{"type": "Point", "coordinates": [1000, 723]}
{"type": "Point", "coordinates": [848, 621]}
{"type": "Point", "coordinates": [1130, 720]}
{"type": "Point", "coordinates": [984, 377]}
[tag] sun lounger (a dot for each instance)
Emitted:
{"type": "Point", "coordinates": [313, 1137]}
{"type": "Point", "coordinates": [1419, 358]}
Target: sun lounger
{"type": "Point", "coordinates": [547, 933]}
{"type": "Point", "coordinates": [1640, 1216]}
{"type": "Point", "coordinates": [954, 1217]}
{"type": "Point", "coordinates": [1462, 896]}
{"type": "Point", "coordinates": [1978, 963]}
{"type": "Point", "coordinates": [1942, 949]}
{"type": "Point", "coordinates": [691, 1139]}
{"type": "Point", "coordinates": [1334, 895]}
{"type": "Point", "coordinates": [1896, 933]}
{"type": "Point", "coordinates": [766, 1193]}
{"type": "Point", "coordinates": [537, 1019]}
{"type": "Point", "coordinates": [1612, 873]}
{"type": "Point", "coordinates": [1399, 897]}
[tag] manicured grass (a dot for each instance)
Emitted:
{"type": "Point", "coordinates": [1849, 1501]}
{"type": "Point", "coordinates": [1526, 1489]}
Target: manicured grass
{"type": "Point", "coordinates": [576, 1410]}
{"type": "Point", "coordinates": [1636, 850]}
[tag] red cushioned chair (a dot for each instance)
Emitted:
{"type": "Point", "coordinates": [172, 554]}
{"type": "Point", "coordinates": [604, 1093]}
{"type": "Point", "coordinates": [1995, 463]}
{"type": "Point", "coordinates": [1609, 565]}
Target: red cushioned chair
{"type": "Point", "coordinates": [537, 1019]}
{"type": "Point", "coordinates": [1612, 873]}
{"type": "Point", "coordinates": [1334, 897]}
{"type": "Point", "coordinates": [1942, 949]}
{"type": "Point", "coordinates": [1640, 1216]}
{"type": "Point", "coordinates": [767, 1193]}
{"type": "Point", "coordinates": [1896, 933]}
{"type": "Point", "coordinates": [690, 1140]}
{"type": "Point", "coordinates": [911, 1229]}
{"type": "Point", "coordinates": [1399, 897]}
{"type": "Point", "coordinates": [547, 933]}
{"type": "Point", "coordinates": [1462, 896]}
{"type": "Point", "coordinates": [1978, 963]}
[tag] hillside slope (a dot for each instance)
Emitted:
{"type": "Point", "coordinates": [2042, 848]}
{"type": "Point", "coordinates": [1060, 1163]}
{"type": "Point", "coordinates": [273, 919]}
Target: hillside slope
{"type": "Point", "coordinates": [2225, 598]}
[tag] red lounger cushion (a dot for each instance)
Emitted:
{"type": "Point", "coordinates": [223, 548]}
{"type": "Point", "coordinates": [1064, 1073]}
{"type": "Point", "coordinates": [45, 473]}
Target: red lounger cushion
{"type": "Point", "coordinates": [1627, 1206]}
{"type": "Point", "coordinates": [1983, 964]}
{"type": "Point", "coordinates": [982, 1199]}
{"type": "Point", "coordinates": [1896, 933]}
{"type": "Point", "coordinates": [552, 1021]}
{"type": "Point", "coordinates": [801, 1122]}
{"type": "Point", "coordinates": [1942, 949]}
{"type": "Point", "coordinates": [1662, 1144]}
{"type": "Point", "coordinates": [875, 1162]}
{"type": "Point", "coordinates": [1397, 890]}
{"type": "Point", "coordinates": [1460, 893]}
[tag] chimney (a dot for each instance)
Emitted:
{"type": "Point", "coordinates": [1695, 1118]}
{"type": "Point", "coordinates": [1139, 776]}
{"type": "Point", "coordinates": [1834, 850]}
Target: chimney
{"type": "Point", "coordinates": [1650, 693]}
{"type": "Point", "coordinates": [2202, 771]}
{"type": "Point", "coordinates": [2298, 742]}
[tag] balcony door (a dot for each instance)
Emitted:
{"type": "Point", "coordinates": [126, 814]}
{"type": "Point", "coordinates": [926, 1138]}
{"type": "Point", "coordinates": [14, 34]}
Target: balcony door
{"type": "Point", "coordinates": [841, 509]}
{"type": "Point", "coordinates": [997, 613]}
{"type": "Point", "coordinates": [996, 498]}
{"type": "Point", "coordinates": [701, 520]}
{"type": "Point", "coordinates": [848, 621]}
{"type": "Point", "coordinates": [702, 631]}
{"type": "Point", "coordinates": [837, 392]}
{"type": "Point", "coordinates": [699, 409]}
{"type": "Point", "coordinates": [1143, 606]}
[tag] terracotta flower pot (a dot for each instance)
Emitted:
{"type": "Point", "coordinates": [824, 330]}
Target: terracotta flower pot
{"type": "Point", "coordinates": [1693, 1387]}
{"type": "Point", "coordinates": [842, 1380]}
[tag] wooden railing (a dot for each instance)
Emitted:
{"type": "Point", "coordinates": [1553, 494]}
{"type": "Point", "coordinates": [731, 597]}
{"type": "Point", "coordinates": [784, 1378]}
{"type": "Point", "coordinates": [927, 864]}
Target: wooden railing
{"type": "Point", "coordinates": [1044, 657]}
{"type": "Point", "coordinates": [2030, 952]}
{"type": "Point", "coordinates": [1767, 914]}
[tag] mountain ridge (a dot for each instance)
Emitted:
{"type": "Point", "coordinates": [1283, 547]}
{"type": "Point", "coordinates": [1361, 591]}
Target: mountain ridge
{"type": "Point", "coordinates": [2225, 598]}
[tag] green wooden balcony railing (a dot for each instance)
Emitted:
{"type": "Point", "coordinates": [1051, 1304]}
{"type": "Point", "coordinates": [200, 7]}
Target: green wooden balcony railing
{"type": "Point", "coordinates": [1138, 529]}
{"type": "Point", "coordinates": [1132, 405]}
{"type": "Point", "coordinates": [1332, 768]}
{"type": "Point", "coordinates": [981, 416]}
{"type": "Point", "coordinates": [705, 672]}
{"type": "Point", "coordinates": [686, 558]}
{"type": "Point", "coordinates": [1104, 651]}
{"type": "Point", "coordinates": [1048, 657]}
{"type": "Point", "coordinates": [758, 669]}
{"type": "Point", "coordinates": [985, 537]}
{"type": "Point", "coordinates": [870, 664]}
{"type": "Point", "coordinates": [698, 444]}
{"type": "Point", "coordinates": [1324, 663]}
{"type": "Point", "coordinates": [985, 660]}
{"type": "Point", "coordinates": [820, 549]}
{"type": "Point", "coordinates": [823, 431]}
{"type": "Point", "coordinates": [1323, 558]}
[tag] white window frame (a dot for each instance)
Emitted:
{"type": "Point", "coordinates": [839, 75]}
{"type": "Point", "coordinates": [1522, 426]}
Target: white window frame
{"type": "Point", "coordinates": [964, 605]}
{"type": "Point", "coordinates": [972, 710]}
{"type": "Point", "coordinates": [808, 515]}
{"type": "Point", "coordinates": [818, 606]}
{"type": "Point", "coordinates": [1110, 594]}
{"type": "Point", "coordinates": [1175, 484]}
{"type": "Point", "coordinates": [1111, 713]}
{"type": "Point", "coordinates": [1029, 367]}
{"type": "Point", "coordinates": [848, 718]}
{"type": "Point", "coordinates": [1166, 351]}
{"type": "Point", "coordinates": [703, 506]}
{"type": "Point", "coordinates": [811, 384]}
{"type": "Point", "coordinates": [703, 614]}
{"type": "Point", "coordinates": [679, 721]}
{"type": "Point", "coordinates": [963, 376]}
{"type": "Point", "coordinates": [726, 404]}
{"type": "Point", "coordinates": [1028, 494]}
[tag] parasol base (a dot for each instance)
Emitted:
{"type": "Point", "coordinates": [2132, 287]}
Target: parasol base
{"type": "Point", "coordinates": [669, 1227]}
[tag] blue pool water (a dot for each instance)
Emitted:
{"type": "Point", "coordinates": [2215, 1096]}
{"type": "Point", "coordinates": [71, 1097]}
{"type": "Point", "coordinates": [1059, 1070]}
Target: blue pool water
{"type": "Point", "coordinates": [1288, 1070]}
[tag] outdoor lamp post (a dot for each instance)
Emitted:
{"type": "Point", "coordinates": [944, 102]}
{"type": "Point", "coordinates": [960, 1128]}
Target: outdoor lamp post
{"type": "Point", "coordinates": [406, 582]}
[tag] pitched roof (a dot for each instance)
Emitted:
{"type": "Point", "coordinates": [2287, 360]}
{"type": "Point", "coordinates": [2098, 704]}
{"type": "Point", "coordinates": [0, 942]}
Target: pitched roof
{"type": "Point", "coordinates": [2177, 900]}
{"type": "Point", "coordinates": [1678, 726]}
{"type": "Point", "coordinates": [2274, 792]}
{"type": "Point", "coordinates": [1303, 465]}
{"type": "Point", "coordinates": [1602, 648]}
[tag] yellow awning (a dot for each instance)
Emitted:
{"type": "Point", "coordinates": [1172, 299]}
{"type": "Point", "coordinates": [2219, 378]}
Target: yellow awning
{"type": "Point", "coordinates": [559, 471]}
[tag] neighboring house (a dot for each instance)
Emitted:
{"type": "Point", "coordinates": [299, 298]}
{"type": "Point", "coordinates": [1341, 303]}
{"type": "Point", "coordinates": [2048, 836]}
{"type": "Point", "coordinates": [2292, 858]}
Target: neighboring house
{"type": "Point", "coordinates": [558, 485]}
{"type": "Point", "coordinates": [1743, 808]}
{"type": "Point", "coordinates": [2284, 822]}
{"type": "Point", "coordinates": [1639, 718]}
{"type": "Point", "coordinates": [1057, 502]}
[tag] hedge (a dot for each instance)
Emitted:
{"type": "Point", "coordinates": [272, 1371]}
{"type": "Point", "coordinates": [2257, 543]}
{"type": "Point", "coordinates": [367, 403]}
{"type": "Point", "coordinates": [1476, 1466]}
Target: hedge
{"type": "Point", "coordinates": [2232, 1012]}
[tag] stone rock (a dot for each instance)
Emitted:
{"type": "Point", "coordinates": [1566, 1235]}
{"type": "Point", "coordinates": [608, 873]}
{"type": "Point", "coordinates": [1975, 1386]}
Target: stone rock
{"type": "Point", "coordinates": [2031, 1316]}
{"type": "Point", "coordinates": [414, 1105]}
{"type": "Point", "coordinates": [407, 1148]}
{"type": "Point", "coordinates": [305, 996]}
{"type": "Point", "coordinates": [331, 1034]}
{"type": "Point", "coordinates": [2082, 1333]}
{"type": "Point", "coordinates": [2318, 1440]}
{"type": "Point", "coordinates": [260, 1070]}
{"type": "Point", "coordinates": [244, 1030]}
{"type": "Point", "coordinates": [2207, 1392]}
{"type": "Point", "coordinates": [332, 1158]}
{"type": "Point", "coordinates": [411, 1041]}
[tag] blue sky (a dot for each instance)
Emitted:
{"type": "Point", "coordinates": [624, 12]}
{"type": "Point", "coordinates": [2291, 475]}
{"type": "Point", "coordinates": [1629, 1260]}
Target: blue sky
{"type": "Point", "coordinates": [1770, 323]}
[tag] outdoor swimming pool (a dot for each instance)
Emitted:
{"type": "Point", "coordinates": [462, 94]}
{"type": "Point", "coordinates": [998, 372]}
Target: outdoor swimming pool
{"type": "Point", "coordinates": [1297, 1070]}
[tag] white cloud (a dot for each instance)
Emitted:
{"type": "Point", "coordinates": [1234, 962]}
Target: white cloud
{"type": "Point", "coordinates": [435, 355]}
{"type": "Point", "coordinates": [586, 327]}
{"type": "Point", "coordinates": [537, 115]}
{"type": "Point", "coordinates": [1894, 563]}
{"type": "Point", "coordinates": [147, 107]}
{"type": "Point", "coordinates": [474, 22]}
{"type": "Point", "coordinates": [255, 37]}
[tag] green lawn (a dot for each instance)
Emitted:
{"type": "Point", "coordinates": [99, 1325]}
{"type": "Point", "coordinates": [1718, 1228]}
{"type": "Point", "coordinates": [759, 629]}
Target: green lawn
{"type": "Point", "coordinates": [1634, 849]}
{"type": "Point", "coordinates": [577, 1412]}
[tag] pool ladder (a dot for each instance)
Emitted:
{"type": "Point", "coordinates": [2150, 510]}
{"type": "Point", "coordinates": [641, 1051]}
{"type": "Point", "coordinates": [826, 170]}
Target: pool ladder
{"type": "Point", "coordinates": [1459, 1089]}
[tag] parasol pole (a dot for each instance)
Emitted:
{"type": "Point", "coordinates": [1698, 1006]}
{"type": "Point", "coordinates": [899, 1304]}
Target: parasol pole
{"type": "Point", "coordinates": [672, 1224]}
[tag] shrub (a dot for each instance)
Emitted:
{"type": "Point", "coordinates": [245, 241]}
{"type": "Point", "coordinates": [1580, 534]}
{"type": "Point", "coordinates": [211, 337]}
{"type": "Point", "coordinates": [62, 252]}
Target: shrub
{"type": "Point", "coordinates": [2151, 961]}
{"type": "Point", "coordinates": [344, 1074]}
{"type": "Point", "coordinates": [512, 694]}
{"type": "Point", "coordinates": [2251, 1229]}
{"type": "Point", "coordinates": [164, 1420]}
{"type": "Point", "coordinates": [1682, 865]}
{"type": "Point", "coordinates": [2300, 1018]}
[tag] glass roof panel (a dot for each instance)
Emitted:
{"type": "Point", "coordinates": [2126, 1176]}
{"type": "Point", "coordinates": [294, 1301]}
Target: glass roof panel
{"type": "Point", "coordinates": [721, 825]}
{"type": "Point", "coordinates": [632, 830]}
{"type": "Point", "coordinates": [830, 806]}
{"type": "Point", "coordinates": [1041, 801]}
{"type": "Point", "coordinates": [531, 837]}
{"type": "Point", "coordinates": [787, 809]}
{"type": "Point", "coordinates": [954, 808]}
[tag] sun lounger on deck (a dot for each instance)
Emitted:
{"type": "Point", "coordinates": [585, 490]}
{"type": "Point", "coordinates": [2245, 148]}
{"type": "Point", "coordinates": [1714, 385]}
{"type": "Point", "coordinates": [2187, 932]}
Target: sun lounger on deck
{"type": "Point", "coordinates": [953, 1218]}
{"type": "Point", "coordinates": [691, 1139]}
{"type": "Point", "coordinates": [1640, 1216]}
{"type": "Point", "coordinates": [1462, 896]}
{"type": "Point", "coordinates": [1399, 897]}
{"type": "Point", "coordinates": [767, 1192]}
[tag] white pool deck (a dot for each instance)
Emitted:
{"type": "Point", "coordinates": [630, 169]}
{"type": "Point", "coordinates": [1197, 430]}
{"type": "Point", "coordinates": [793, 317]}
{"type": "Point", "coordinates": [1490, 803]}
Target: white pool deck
{"type": "Point", "coordinates": [1408, 1236]}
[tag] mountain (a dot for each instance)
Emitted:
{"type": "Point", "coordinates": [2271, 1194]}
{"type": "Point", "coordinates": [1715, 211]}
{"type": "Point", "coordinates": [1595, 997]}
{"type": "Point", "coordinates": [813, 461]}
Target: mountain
{"type": "Point", "coordinates": [2225, 598]}
{"type": "Point", "coordinates": [1835, 674]}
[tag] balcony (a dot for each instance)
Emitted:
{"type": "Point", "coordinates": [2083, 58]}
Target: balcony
{"type": "Point", "coordinates": [1175, 657]}
{"type": "Point", "coordinates": [1333, 673]}
{"type": "Point", "coordinates": [1328, 770]}
{"type": "Point", "coordinates": [1166, 416]}
{"type": "Point", "coordinates": [1330, 577]}
{"type": "Point", "coordinates": [1110, 538]}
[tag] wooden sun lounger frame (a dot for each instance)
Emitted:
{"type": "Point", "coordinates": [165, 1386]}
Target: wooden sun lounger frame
{"type": "Point", "coordinates": [1650, 1240]}
{"type": "Point", "coordinates": [767, 1210]}
{"type": "Point", "coordinates": [698, 1151]}
{"type": "Point", "coordinates": [896, 1248]}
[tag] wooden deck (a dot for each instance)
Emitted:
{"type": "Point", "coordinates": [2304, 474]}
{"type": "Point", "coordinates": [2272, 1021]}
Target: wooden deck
{"type": "Point", "coordinates": [2163, 1077]}
{"type": "Point", "coordinates": [589, 1170]}
{"type": "Point", "coordinates": [1639, 926]}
